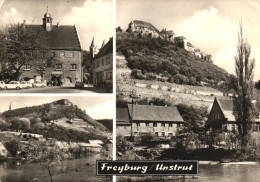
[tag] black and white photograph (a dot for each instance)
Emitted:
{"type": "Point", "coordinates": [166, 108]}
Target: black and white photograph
{"type": "Point", "coordinates": [187, 86]}
{"type": "Point", "coordinates": [56, 46]}
{"type": "Point", "coordinates": [55, 138]}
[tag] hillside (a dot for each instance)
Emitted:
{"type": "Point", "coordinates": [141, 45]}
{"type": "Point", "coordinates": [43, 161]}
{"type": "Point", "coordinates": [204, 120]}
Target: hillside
{"type": "Point", "coordinates": [54, 111]}
{"type": "Point", "coordinates": [157, 59]}
{"type": "Point", "coordinates": [60, 119]}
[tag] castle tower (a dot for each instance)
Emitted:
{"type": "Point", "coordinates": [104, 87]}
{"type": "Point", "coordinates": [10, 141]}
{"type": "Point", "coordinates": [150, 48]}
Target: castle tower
{"type": "Point", "coordinates": [92, 49]}
{"type": "Point", "coordinates": [131, 27]}
{"type": "Point", "coordinates": [47, 21]}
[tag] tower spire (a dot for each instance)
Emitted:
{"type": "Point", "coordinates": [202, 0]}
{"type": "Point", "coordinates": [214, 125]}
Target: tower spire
{"type": "Point", "coordinates": [47, 9]}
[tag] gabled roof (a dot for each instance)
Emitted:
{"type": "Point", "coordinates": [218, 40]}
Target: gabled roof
{"type": "Point", "coordinates": [122, 116]}
{"type": "Point", "coordinates": [145, 24]}
{"type": "Point", "coordinates": [60, 37]}
{"type": "Point", "coordinates": [227, 109]}
{"type": "Point", "coordinates": [107, 49]}
{"type": "Point", "coordinates": [154, 113]}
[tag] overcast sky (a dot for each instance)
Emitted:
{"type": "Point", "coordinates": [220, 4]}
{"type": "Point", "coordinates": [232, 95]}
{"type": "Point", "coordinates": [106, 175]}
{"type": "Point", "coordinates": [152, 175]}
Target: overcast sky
{"type": "Point", "coordinates": [93, 18]}
{"type": "Point", "coordinates": [211, 25]}
{"type": "Point", "coordinates": [98, 107]}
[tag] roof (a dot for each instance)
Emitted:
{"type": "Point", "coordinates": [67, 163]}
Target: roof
{"type": "Point", "coordinates": [189, 44]}
{"type": "Point", "coordinates": [107, 49]}
{"type": "Point", "coordinates": [179, 38]}
{"type": "Point", "coordinates": [168, 32]}
{"type": "Point", "coordinates": [227, 109]}
{"type": "Point", "coordinates": [145, 24]}
{"type": "Point", "coordinates": [122, 116]}
{"type": "Point", "coordinates": [61, 38]}
{"type": "Point", "coordinates": [154, 113]}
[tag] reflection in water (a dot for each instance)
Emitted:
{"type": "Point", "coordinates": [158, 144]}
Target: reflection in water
{"type": "Point", "coordinates": [12, 171]}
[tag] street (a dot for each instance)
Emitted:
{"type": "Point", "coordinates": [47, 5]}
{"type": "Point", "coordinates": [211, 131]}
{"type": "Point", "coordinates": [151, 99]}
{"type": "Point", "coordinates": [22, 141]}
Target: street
{"type": "Point", "coordinates": [57, 90]}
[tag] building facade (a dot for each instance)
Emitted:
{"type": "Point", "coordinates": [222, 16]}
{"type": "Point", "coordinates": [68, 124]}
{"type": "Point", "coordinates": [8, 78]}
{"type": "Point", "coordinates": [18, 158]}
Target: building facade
{"type": "Point", "coordinates": [138, 120]}
{"type": "Point", "coordinates": [102, 65]}
{"type": "Point", "coordinates": [61, 59]}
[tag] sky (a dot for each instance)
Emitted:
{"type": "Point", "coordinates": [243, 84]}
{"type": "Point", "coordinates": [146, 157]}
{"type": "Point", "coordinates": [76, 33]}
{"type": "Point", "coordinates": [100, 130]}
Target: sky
{"type": "Point", "coordinates": [212, 26]}
{"type": "Point", "coordinates": [97, 107]}
{"type": "Point", "coordinates": [93, 18]}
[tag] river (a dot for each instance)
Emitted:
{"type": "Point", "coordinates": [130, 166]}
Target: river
{"type": "Point", "coordinates": [228, 173]}
{"type": "Point", "coordinates": [12, 171]}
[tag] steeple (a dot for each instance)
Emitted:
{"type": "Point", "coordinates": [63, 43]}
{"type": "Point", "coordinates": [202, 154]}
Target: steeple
{"type": "Point", "coordinates": [103, 44]}
{"type": "Point", "coordinates": [47, 21]}
{"type": "Point", "coordinates": [92, 48]}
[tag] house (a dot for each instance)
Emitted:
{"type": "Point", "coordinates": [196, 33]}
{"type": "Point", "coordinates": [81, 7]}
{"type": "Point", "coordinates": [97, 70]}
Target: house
{"type": "Point", "coordinates": [181, 42]}
{"type": "Point", "coordinates": [93, 146]}
{"type": "Point", "coordinates": [123, 124]}
{"type": "Point", "coordinates": [221, 116]}
{"type": "Point", "coordinates": [167, 34]}
{"type": "Point", "coordinates": [160, 121]}
{"type": "Point", "coordinates": [61, 47]}
{"type": "Point", "coordinates": [3, 151]}
{"type": "Point", "coordinates": [190, 47]}
{"type": "Point", "coordinates": [102, 65]}
{"type": "Point", "coordinates": [143, 28]}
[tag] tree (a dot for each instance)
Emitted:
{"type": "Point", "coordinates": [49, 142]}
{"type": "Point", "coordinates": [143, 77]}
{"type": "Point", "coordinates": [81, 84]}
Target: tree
{"type": "Point", "coordinates": [12, 147]}
{"type": "Point", "coordinates": [243, 107]}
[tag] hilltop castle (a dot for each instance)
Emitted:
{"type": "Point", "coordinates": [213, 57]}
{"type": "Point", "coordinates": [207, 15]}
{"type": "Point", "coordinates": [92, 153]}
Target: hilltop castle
{"type": "Point", "coordinates": [149, 30]}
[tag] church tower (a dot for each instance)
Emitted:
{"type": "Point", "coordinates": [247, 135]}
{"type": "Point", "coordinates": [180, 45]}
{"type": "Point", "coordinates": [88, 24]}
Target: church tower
{"type": "Point", "coordinates": [47, 21]}
{"type": "Point", "coordinates": [92, 49]}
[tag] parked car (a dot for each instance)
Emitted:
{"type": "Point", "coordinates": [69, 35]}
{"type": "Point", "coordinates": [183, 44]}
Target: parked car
{"type": "Point", "coordinates": [39, 84]}
{"type": "Point", "coordinates": [14, 85]}
{"type": "Point", "coordinates": [2, 85]}
{"type": "Point", "coordinates": [79, 85]}
{"type": "Point", "coordinates": [26, 84]}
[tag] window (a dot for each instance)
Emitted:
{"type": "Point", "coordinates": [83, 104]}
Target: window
{"type": "Point", "coordinates": [170, 134]}
{"type": "Point", "coordinates": [58, 67]}
{"type": "Point", "coordinates": [138, 124]}
{"type": "Point", "coordinates": [124, 127]}
{"type": "Point", "coordinates": [107, 60]}
{"type": "Point", "coordinates": [163, 133]}
{"type": "Point", "coordinates": [233, 128]}
{"type": "Point", "coordinates": [103, 63]}
{"type": "Point", "coordinates": [178, 125]}
{"type": "Point", "coordinates": [170, 124]}
{"type": "Point", "coordinates": [163, 124]}
{"type": "Point", "coordinates": [156, 133]}
{"type": "Point", "coordinates": [147, 124]}
{"type": "Point", "coordinates": [27, 67]}
{"type": "Point", "coordinates": [73, 67]}
{"type": "Point", "coordinates": [70, 54]}
{"type": "Point", "coordinates": [154, 124]}
{"type": "Point", "coordinates": [62, 54]}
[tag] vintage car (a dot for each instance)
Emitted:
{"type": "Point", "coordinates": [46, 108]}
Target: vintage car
{"type": "Point", "coordinates": [14, 85]}
{"type": "Point", "coordinates": [39, 84]}
{"type": "Point", "coordinates": [26, 84]}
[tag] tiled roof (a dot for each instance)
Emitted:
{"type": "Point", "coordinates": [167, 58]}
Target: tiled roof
{"type": "Point", "coordinates": [107, 49]}
{"type": "Point", "coordinates": [61, 38]}
{"type": "Point", "coordinates": [122, 116]}
{"type": "Point", "coordinates": [227, 109]}
{"type": "Point", "coordinates": [154, 113]}
{"type": "Point", "coordinates": [145, 24]}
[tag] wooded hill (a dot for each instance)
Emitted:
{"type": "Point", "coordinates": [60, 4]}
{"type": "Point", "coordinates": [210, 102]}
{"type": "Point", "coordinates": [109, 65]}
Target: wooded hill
{"type": "Point", "coordinates": [54, 111]}
{"type": "Point", "coordinates": [158, 59]}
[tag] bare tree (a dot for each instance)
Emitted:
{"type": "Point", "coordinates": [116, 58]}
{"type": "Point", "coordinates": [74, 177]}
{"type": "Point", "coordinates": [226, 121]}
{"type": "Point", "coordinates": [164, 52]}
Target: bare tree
{"type": "Point", "coordinates": [243, 85]}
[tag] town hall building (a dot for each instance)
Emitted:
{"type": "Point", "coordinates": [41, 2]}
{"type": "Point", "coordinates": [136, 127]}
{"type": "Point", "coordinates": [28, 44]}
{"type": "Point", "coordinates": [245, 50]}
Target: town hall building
{"type": "Point", "coordinates": [64, 51]}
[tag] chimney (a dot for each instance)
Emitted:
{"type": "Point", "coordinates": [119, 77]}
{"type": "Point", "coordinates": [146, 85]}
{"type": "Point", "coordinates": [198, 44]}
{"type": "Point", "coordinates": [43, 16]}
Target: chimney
{"type": "Point", "coordinates": [58, 24]}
